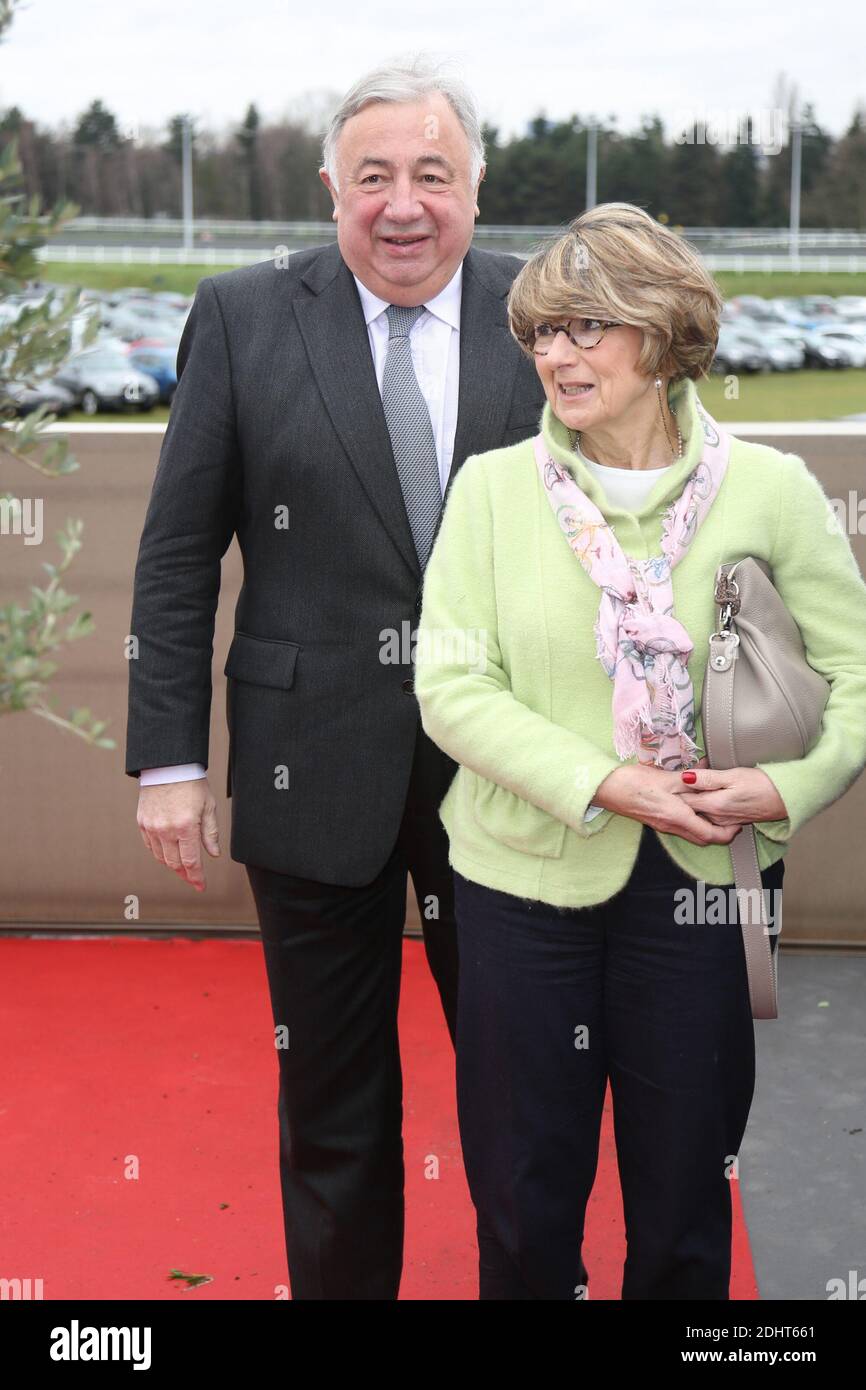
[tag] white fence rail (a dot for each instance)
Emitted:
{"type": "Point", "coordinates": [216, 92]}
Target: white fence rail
{"type": "Point", "coordinates": [768, 262]}
{"type": "Point", "coordinates": [820, 238]}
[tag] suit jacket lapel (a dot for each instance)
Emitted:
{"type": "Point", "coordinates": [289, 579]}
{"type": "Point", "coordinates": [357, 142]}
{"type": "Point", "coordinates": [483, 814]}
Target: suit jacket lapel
{"type": "Point", "coordinates": [332, 325]}
{"type": "Point", "coordinates": [335, 335]}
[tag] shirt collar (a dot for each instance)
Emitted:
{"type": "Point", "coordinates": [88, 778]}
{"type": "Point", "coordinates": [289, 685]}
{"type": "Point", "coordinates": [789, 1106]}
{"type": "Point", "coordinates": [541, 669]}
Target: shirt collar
{"type": "Point", "coordinates": [445, 305]}
{"type": "Point", "coordinates": [682, 399]}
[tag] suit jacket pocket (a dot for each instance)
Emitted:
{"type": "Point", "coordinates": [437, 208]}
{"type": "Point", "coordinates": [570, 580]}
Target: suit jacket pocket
{"type": "Point", "coordinates": [515, 822]}
{"type": "Point", "coordinates": [262, 660]}
{"type": "Point", "coordinates": [257, 661]}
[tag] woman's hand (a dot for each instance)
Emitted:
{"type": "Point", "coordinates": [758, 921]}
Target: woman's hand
{"type": "Point", "coordinates": [739, 796]}
{"type": "Point", "coordinates": [710, 811]}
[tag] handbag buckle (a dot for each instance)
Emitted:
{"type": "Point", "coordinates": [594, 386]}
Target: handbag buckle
{"type": "Point", "coordinates": [720, 661]}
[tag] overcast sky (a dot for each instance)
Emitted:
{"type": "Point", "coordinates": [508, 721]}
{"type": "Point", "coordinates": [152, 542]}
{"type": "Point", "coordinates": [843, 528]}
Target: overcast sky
{"type": "Point", "coordinates": [148, 61]}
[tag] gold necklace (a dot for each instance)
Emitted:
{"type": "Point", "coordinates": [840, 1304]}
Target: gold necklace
{"type": "Point", "coordinates": [677, 453]}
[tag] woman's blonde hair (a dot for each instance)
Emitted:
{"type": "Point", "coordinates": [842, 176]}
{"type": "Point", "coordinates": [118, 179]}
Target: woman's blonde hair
{"type": "Point", "coordinates": [616, 262]}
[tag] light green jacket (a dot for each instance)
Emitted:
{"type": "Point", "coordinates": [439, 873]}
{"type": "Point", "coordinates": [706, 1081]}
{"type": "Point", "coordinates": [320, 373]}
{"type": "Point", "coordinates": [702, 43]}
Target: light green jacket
{"type": "Point", "coordinates": [510, 686]}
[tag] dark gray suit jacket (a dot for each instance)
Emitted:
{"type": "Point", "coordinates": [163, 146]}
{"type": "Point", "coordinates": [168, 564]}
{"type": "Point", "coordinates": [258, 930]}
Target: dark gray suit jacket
{"type": "Point", "coordinates": [277, 407]}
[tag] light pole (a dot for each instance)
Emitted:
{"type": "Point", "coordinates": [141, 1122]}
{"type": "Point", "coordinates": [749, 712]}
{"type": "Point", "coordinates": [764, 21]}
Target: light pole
{"type": "Point", "coordinates": [186, 180]}
{"type": "Point", "coordinates": [796, 180]}
{"type": "Point", "coordinates": [591, 162]}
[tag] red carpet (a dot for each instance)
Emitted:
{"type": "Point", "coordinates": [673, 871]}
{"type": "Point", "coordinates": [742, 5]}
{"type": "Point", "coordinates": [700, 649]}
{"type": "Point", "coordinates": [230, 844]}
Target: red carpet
{"type": "Point", "coordinates": [138, 1130]}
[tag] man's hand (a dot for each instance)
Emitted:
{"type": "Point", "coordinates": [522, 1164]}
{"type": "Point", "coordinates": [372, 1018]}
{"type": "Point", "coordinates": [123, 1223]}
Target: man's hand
{"type": "Point", "coordinates": [175, 820]}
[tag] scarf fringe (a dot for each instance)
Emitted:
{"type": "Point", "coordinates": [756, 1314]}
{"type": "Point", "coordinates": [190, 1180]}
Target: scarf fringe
{"type": "Point", "coordinates": [627, 733]}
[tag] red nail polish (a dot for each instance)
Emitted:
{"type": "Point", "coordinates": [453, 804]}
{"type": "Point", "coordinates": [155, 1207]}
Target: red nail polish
{"type": "Point", "coordinates": [690, 777]}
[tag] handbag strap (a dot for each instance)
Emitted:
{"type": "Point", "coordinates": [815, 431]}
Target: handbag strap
{"type": "Point", "coordinates": [761, 960]}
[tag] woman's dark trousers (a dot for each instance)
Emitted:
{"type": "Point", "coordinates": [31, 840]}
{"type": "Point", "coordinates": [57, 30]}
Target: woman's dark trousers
{"type": "Point", "coordinates": [553, 1002]}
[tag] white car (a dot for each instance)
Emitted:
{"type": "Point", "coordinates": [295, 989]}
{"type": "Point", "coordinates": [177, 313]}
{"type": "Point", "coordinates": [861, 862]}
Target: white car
{"type": "Point", "coordinates": [850, 342]}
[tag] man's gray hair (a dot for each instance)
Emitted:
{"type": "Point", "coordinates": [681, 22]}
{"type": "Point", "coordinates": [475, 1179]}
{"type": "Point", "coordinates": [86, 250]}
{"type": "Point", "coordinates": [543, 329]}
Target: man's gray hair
{"type": "Point", "coordinates": [408, 81]}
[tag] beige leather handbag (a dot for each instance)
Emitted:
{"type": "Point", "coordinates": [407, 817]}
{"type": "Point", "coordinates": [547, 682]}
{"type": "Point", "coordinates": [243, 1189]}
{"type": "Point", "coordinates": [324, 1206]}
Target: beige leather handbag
{"type": "Point", "coordinates": [761, 702]}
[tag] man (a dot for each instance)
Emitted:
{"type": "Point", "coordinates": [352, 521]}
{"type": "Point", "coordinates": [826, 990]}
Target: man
{"type": "Point", "coordinates": [321, 409]}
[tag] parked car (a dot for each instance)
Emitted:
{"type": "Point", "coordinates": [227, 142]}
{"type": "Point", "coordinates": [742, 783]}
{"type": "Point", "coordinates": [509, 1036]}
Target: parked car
{"type": "Point", "coordinates": [160, 363]}
{"type": "Point", "coordinates": [26, 396]}
{"type": "Point", "coordinates": [821, 306]}
{"type": "Point", "coordinates": [180, 302]}
{"type": "Point", "coordinates": [770, 343]}
{"type": "Point", "coordinates": [851, 306]}
{"type": "Point", "coordinates": [140, 319]}
{"type": "Point", "coordinates": [103, 378]}
{"type": "Point", "coordinates": [784, 347]}
{"type": "Point", "coordinates": [737, 352]}
{"type": "Point", "coordinates": [800, 313]}
{"type": "Point", "coordinates": [114, 297]}
{"type": "Point", "coordinates": [820, 352]}
{"type": "Point", "coordinates": [850, 343]}
{"type": "Point", "coordinates": [774, 332]}
{"type": "Point", "coordinates": [759, 310]}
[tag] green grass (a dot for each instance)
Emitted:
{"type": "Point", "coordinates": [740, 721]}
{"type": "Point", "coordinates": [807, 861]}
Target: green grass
{"type": "Point", "coordinates": [804, 395]}
{"type": "Point", "coordinates": [782, 283]}
{"type": "Point", "coordinates": [180, 279]}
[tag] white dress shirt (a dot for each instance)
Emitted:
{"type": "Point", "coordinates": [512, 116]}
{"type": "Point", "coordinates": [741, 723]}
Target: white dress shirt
{"type": "Point", "coordinates": [435, 345]}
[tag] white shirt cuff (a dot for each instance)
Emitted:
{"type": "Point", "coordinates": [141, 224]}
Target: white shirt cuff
{"type": "Point", "coordinates": [179, 772]}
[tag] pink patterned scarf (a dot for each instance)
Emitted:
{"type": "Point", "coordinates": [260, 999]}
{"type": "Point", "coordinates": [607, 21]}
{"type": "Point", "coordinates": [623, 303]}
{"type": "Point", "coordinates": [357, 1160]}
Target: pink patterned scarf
{"type": "Point", "coordinates": [641, 645]}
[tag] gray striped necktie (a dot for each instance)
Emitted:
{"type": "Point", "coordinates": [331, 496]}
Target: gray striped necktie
{"type": "Point", "coordinates": [411, 431]}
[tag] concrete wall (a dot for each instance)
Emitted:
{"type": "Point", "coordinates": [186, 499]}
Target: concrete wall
{"type": "Point", "coordinates": [70, 850]}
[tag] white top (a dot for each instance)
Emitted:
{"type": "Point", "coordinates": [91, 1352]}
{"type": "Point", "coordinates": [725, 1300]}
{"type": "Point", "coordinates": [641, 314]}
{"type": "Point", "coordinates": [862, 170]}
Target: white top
{"type": "Point", "coordinates": [625, 487]}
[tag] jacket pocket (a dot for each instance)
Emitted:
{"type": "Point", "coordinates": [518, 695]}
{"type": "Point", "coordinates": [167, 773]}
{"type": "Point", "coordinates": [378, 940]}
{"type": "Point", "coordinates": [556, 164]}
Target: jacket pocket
{"type": "Point", "coordinates": [515, 822]}
{"type": "Point", "coordinates": [262, 660]}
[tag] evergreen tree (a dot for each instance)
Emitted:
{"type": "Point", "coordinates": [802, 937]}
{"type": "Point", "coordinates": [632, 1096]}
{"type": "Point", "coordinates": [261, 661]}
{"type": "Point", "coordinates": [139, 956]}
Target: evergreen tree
{"type": "Point", "coordinates": [247, 138]}
{"type": "Point", "coordinates": [97, 129]}
{"type": "Point", "coordinates": [695, 182]}
{"type": "Point", "coordinates": [740, 182]}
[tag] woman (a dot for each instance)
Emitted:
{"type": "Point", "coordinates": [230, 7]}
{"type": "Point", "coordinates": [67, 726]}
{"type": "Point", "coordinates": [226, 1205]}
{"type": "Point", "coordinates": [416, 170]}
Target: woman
{"type": "Point", "coordinates": [583, 813]}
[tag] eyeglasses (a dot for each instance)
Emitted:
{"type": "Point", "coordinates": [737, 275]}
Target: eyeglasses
{"type": "Point", "coordinates": [584, 333]}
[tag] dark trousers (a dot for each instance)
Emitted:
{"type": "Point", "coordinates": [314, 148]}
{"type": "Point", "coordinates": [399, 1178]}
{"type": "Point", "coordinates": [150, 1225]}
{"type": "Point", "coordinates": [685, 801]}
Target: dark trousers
{"type": "Point", "coordinates": [552, 1003]}
{"type": "Point", "coordinates": [333, 957]}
